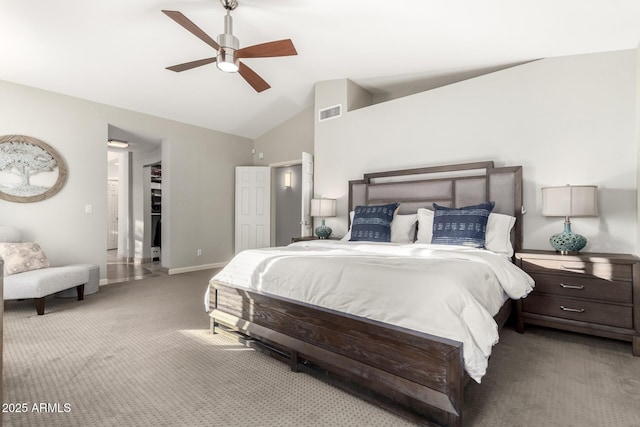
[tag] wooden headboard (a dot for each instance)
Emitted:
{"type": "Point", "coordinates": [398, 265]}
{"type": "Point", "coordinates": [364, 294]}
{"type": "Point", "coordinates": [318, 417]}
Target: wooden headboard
{"type": "Point", "coordinates": [450, 185]}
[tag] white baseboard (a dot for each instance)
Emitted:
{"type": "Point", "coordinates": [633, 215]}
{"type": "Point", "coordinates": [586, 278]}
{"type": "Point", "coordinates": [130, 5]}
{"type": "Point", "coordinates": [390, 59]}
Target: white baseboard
{"type": "Point", "coordinates": [103, 282]}
{"type": "Point", "coordinates": [195, 268]}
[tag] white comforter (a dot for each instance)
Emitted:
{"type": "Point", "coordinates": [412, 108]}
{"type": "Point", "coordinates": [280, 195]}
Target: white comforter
{"type": "Point", "coordinates": [448, 291]}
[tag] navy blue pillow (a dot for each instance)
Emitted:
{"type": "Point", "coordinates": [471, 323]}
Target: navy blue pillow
{"type": "Point", "coordinates": [372, 223]}
{"type": "Point", "coordinates": [466, 226]}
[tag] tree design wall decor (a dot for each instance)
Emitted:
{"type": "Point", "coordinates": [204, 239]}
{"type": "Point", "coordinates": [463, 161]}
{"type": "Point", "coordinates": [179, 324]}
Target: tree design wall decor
{"type": "Point", "coordinates": [30, 170]}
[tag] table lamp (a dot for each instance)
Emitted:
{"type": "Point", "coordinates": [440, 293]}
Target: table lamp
{"type": "Point", "coordinates": [323, 208]}
{"type": "Point", "coordinates": [569, 201]}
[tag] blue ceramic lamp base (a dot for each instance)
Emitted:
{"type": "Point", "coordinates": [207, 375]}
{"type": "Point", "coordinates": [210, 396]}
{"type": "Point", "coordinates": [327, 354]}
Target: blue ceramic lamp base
{"type": "Point", "coordinates": [323, 231]}
{"type": "Point", "coordinates": [567, 241]}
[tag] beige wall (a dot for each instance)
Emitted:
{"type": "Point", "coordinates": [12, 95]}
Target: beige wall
{"type": "Point", "coordinates": [198, 170]}
{"type": "Point", "coordinates": [565, 120]}
{"type": "Point", "coordinates": [287, 141]}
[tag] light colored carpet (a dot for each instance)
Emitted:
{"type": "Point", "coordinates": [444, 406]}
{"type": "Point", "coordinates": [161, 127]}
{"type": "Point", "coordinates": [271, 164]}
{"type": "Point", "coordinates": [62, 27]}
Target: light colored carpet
{"type": "Point", "coordinates": [139, 354]}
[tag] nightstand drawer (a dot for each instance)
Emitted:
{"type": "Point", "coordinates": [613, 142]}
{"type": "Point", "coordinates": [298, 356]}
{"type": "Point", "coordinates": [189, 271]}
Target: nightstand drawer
{"type": "Point", "coordinates": [583, 311]}
{"type": "Point", "coordinates": [605, 271]}
{"type": "Point", "coordinates": [578, 286]}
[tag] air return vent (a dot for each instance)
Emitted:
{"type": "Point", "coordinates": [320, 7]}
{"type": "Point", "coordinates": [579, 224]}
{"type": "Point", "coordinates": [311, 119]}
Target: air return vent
{"type": "Point", "coordinates": [330, 113]}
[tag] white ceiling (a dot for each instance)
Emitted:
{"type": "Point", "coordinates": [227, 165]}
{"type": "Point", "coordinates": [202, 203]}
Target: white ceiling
{"type": "Point", "coordinates": [115, 52]}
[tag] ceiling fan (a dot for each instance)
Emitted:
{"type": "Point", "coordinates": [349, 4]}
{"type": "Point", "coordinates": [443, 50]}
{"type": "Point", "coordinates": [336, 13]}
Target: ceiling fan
{"type": "Point", "coordinates": [228, 51]}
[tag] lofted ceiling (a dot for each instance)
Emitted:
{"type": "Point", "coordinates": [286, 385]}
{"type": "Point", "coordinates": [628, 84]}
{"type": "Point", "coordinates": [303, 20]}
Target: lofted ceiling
{"type": "Point", "coordinates": [115, 52]}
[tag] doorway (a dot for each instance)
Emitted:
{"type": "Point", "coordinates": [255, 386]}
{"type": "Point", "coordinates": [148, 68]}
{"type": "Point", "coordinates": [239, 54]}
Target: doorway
{"type": "Point", "coordinates": [288, 193]}
{"type": "Point", "coordinates": [292, 191]}
{"type": "Point", "coordinates": [113, 182]}
{"type": "Point", "coordinates": [273, 203]}
{"type": "Point", "coordinates": [118, 259]}
{"type": "Point", "coordinates": [132, 193]}
{"type": "Point", "coordinates": [129, 206]}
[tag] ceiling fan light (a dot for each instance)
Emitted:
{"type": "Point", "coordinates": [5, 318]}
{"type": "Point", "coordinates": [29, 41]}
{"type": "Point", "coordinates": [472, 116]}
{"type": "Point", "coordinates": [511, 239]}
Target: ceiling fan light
{"type": "Point", "coordinates": [226, 60]}
{"type": "Point", "coordinates": [227, 67]}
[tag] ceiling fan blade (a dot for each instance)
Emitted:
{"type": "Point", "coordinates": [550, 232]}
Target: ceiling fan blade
{"type": "Point", "coordinates": [252, 78]}
{"type": "Point", "coordinates": [267, 50]}
{"type": "Point", "coordinates": [191, 27]}
{"type": "Point", "coordinates": [192, 64]}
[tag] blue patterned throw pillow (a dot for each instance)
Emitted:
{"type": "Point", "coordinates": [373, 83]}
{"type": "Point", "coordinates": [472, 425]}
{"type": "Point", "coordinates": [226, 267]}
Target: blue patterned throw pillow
{"type": "Point", "coordinates": [372, 223]}
{"type": "Point", "coordinates": [466, 226]}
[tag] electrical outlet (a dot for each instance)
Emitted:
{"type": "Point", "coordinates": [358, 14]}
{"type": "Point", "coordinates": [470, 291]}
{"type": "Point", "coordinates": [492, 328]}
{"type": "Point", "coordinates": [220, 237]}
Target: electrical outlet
{"type": "Point", "coordinates": [199, 252]}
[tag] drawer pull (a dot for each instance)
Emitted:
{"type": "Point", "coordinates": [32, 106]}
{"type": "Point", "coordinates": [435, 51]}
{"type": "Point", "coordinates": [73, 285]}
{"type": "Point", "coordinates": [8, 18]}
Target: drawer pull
{"type": "Point", "coordinates": [568, 267]}
{"type": "Point", "coordinates": [573, 310]}
{"type": "Point", "coordinates": [562, 285]}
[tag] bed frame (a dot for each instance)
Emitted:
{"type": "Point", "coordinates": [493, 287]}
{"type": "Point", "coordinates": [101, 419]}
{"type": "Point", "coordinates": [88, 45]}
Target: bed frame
{"type": "Point", "coordinates": [417, 375]}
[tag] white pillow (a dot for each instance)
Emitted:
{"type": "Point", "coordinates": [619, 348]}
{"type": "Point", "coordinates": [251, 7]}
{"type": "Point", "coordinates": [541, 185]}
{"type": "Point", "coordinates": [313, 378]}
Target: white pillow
{"type": "Point", "coordinates": [403, 228]}
{"type": "Point", "coordinates": [347, 236]}
{"type": "Point", "coordinates": [425, 225]}
{"type": "Point", "coordinates": [498, 237]}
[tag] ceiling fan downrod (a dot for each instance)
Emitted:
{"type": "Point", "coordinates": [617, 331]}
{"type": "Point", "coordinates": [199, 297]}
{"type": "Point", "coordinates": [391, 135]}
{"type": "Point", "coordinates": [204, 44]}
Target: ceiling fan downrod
{"type": "Point", "coordinates": [226, 60]}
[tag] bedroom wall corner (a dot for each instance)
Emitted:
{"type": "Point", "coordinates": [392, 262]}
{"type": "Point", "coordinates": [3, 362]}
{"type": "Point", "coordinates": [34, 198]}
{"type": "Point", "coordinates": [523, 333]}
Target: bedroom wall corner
{"type": "Point", "coordinates": [357, 96]}
{"type": "Point", "coordinates": [287, 141]}
{"type": "Point", "coordinates": [198, 169]}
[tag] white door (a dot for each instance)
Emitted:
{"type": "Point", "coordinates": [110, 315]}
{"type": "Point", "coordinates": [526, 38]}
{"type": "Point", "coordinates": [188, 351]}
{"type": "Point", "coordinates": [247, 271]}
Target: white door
{"type": "Point", "coordinates": [112, 215]}
{"type": "Point", "coordinates": [253, 207]}
{"type": "Point", "coordinates": [306, 225]}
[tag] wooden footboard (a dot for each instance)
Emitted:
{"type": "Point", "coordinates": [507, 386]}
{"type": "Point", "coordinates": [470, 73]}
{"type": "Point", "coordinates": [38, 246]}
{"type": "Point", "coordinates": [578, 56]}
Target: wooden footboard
{"type": "Point", "coordinates": [416, 374]}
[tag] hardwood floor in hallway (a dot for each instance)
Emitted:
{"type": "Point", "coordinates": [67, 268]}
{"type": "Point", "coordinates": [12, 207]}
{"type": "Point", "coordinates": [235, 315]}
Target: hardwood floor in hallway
{"type": "Point", "coordinates": [119, 270]}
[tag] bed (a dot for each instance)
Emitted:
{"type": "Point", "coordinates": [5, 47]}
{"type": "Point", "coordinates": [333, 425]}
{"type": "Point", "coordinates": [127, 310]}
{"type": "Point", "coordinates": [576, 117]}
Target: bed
{"type": "Point", "coordinates": [298, 303]}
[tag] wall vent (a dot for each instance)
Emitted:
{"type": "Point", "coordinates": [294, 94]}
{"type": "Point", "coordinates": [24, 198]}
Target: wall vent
{"type": "Point", "coordinates": [330, 113]}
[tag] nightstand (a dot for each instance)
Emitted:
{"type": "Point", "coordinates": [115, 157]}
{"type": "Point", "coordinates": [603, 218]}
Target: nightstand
{"type": "Point", "coordinates": [591, 293]}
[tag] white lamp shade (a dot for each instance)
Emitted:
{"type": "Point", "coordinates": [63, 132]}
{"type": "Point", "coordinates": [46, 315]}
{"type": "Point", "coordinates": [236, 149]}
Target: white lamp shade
{"type": "Point", "coordinates": [323, 207]}
{"type": "Point", "coordinates": [570, 201]}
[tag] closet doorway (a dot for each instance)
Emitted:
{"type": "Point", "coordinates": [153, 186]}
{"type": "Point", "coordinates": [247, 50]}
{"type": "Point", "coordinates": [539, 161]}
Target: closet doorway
{"type": "Point", "coordinates": [155, 211]}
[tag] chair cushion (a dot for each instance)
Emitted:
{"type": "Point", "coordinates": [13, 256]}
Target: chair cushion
{"type": "Point", "coordinates": [43, 282]}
